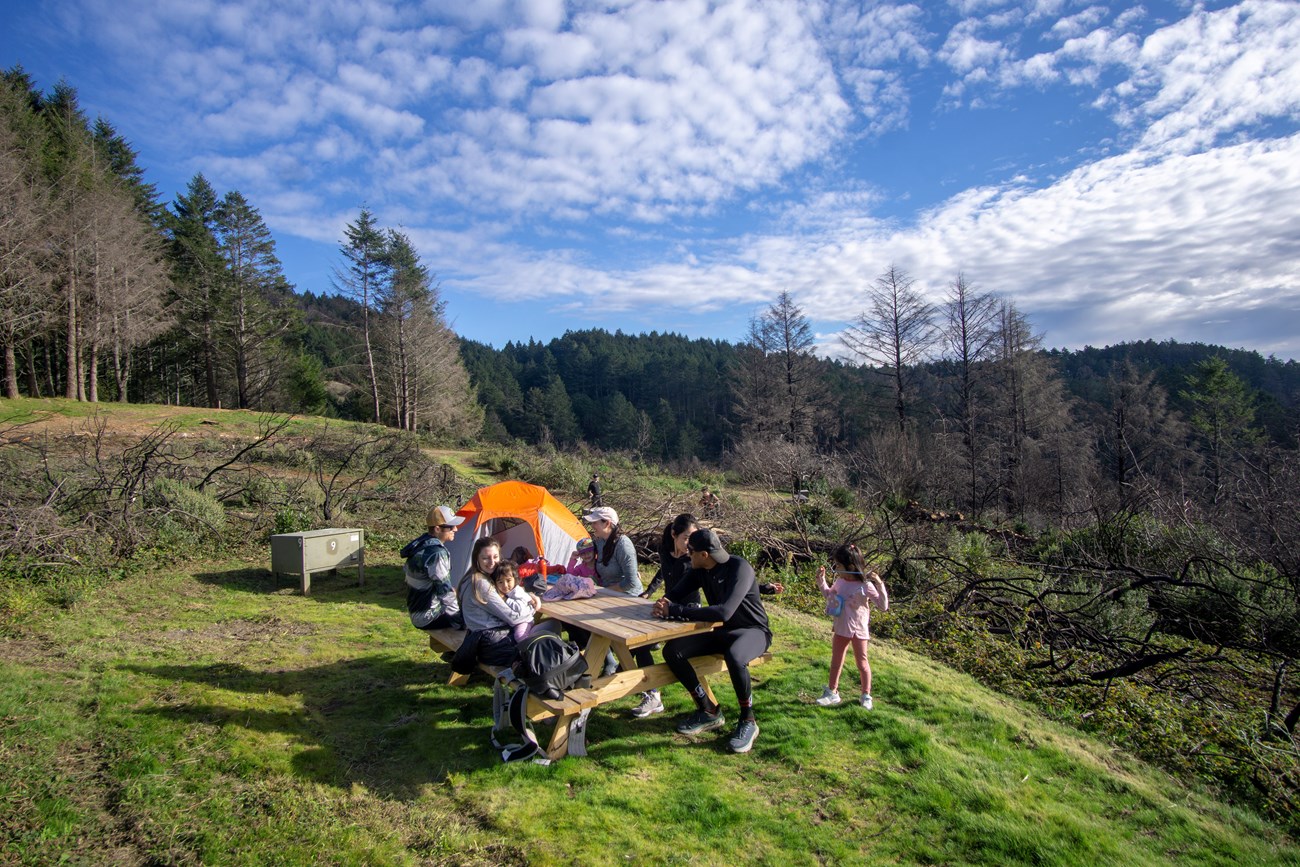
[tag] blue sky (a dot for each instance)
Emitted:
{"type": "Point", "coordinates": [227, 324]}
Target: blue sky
{"type": "Point", "coordinates": [1119, 172]}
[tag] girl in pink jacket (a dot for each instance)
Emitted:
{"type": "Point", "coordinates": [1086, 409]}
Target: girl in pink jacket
{"type": "Point", "coordinates": [848, 600]}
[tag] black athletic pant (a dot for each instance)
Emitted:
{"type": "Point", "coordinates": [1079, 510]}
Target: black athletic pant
{"type": "Point", "coordinates": [737, 646]}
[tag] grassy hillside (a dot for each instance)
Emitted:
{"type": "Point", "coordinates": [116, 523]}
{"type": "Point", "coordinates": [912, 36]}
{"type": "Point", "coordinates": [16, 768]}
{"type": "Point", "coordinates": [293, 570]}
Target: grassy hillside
{"type": "Point", "coordinates": [211, 715]}
{"type": "Point", "coordinates": [178, 711]}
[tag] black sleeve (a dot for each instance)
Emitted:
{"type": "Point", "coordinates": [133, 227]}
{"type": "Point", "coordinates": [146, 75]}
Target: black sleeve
{"type": "Point", "coordinates": [736, 585]}
{"type": "Point", "coordinates": [656, 583]}
{"type": "Point", "coordinates": [690, 582]}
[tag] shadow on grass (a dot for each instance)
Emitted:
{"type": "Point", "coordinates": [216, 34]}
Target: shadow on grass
{"type": "Point", "coordinates": [389, 725]}
{"type": "Point", "coordinates": [384, 585]}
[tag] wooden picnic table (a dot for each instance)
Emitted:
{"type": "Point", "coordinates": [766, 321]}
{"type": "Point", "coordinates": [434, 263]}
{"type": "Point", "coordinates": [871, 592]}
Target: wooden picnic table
{"type": "Point", "coordinates": [618, 621]}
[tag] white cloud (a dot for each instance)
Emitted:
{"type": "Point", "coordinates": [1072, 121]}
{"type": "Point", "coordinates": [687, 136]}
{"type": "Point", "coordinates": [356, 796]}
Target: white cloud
{"type": "Point", "coordinates": [1122, 249]}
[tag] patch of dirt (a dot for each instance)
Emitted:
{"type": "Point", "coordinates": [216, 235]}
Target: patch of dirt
{"type": "Point", "coordinates": [38, 651]}
{"type": "Point", "coordinates": [243, 630]}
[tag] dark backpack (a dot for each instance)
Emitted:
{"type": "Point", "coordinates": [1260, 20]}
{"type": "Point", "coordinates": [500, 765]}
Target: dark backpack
{"type": "Point", "coordinates": [548, 665]}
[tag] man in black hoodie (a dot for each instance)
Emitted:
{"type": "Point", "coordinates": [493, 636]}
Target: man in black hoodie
{"type": "Point", "coordinates": [731, 591]}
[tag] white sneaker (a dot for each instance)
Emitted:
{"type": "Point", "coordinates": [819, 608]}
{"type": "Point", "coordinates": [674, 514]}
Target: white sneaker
{"type": "Point", "coordinates": [866, 700]}
{"type": "Point", "coordinates": [650, 703]}
{"type": "Point", "coordinates": [830, 697]}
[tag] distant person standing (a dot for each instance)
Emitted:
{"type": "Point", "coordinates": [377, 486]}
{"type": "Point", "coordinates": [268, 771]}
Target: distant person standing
{"type": "Point", "coordinates": [593, 491]}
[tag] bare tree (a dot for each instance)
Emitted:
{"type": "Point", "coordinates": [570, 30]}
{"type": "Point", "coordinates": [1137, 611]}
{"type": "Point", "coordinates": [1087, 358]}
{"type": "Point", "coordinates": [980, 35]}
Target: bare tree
{"type": "Point", "coordinates": [23, 279]}
{"type": "Point", "coordinates": [894, 333]}
{"type": "Point", "coordinates": [418, 355]}
{"type": "Point", "coordinates": [1040, 464]}
{"type": "Point", "coordinates": [135, 283]}
{"type": "Point", "coordinates": [778, 386]}
{"type": "Point", "coordinates": [1139, 441]}
{"type": "Point", "coordinates": [969, 338]}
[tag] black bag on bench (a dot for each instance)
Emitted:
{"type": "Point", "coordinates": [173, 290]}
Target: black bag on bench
{"type": "Point", "coordinates": [549, 666]}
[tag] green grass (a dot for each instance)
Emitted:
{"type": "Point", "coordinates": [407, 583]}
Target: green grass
{"type": "Point", "coordinates": [76, 414]}
{"type": "Point", "coordinates": [213, 716]}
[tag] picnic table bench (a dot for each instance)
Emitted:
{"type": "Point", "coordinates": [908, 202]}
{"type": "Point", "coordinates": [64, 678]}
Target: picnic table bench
{"type": "Point", "coordinates": [603, 690]}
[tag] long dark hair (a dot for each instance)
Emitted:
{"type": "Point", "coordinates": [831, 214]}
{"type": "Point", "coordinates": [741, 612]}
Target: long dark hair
{"type": "Point", "coordinates": [849, 555]}
{"type": "Point", "coordinates": [608, 551]}
{"type": "Point", "coordinates": [674, 528]}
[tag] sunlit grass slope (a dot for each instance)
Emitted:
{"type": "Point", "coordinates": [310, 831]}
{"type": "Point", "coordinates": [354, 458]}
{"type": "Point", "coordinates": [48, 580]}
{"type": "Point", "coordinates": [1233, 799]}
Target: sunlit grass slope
{"type": "Point", "coordinates": [210, 715]}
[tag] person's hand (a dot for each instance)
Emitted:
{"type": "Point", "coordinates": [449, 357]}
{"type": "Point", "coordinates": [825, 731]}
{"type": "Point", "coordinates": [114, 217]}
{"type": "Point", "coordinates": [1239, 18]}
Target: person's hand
{"type": "Point", "coordinates": [777, 587]}
{"type": "Point", "coordinates": [821, 574]}
{"type": "Point", "coordinates": [660, 608]}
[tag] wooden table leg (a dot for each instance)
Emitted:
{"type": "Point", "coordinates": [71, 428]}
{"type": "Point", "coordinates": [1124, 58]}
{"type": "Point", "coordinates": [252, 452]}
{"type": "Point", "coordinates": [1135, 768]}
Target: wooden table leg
{"type": "Point", "coordinates": [708, 691]}
{"type": "Point", "coordinates": [625, 657]}
{"type": "Point", "coordinates": [597, 647]}
{"type": "Point", "coordinates": [558, 748]}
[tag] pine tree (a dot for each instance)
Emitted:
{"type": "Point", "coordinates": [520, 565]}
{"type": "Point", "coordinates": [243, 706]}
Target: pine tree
{"type": "Point", "coordinates": [1223, 413]}
{"type": "Point", "coordinates": [366, 252]}
{"type": "Point", "coordinates": [24, 224]}
{"type": "Point", "coordinates": [255, 291]}
{"type": "Point", "coordinates": [198, 276]}
{"type": "Point", "coordinates": [969, 337]}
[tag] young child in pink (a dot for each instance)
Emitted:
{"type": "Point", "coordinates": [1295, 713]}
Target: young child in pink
{"type": "Point", "coordinates": [849, 600]}
{"type": "Point", "coordinates": [583, 561]}
{"type": "Point", "coordinates": [522, 604]}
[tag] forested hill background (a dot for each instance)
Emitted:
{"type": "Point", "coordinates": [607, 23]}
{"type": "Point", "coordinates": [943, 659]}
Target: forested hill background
{"type": "Point", "coordinates": [668, 397]}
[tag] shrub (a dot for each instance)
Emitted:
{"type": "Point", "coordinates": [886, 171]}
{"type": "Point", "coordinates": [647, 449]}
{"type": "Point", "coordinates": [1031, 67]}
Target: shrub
{"type": "Point", "coordinates": [183, 516]}
{"type": "Point", "coordinates": [842, 498]}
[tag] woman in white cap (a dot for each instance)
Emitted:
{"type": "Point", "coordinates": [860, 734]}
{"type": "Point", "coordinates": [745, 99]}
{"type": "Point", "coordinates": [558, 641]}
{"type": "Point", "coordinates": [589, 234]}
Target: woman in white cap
{"type": "Point", "coordinates": [430, 594]}
{"type": "Point", "coordinates": [616, 570]}
{"type": "Point", "coordinates": [615, 553]}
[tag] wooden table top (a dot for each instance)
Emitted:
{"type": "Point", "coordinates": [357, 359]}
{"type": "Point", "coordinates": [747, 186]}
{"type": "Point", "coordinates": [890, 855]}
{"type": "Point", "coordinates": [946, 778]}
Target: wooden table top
{"type": "Point", "coordinates": [621, 618]}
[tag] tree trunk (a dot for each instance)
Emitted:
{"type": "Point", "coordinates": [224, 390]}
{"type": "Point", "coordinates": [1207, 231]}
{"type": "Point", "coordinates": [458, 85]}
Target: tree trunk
{"type": "Point", "coordinates": [370, 361]}
{"type": "Point", "coordinates": [92, 374]}
{"type": "Point", "coordinates": [33, 384]}
{"type": "Point", "coordinates": [49, 368]}
{"type": "Point", "coordinates": [210, 366]}
{"type": "Point", "coordinates": [11, 371]}
{"type": "Point", "coordinates": [72, 388]}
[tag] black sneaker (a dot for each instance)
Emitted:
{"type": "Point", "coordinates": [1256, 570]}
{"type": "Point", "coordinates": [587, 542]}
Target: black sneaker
{"type": "Point", "coordinates": [743, 739]}
{"type": "Point", "coordinates": [701, 721]}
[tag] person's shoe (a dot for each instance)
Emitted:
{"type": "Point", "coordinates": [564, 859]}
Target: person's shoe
{"type": "Point", "coordinates": [701, 721]}
{"type": "Point", "coordinates": [866, 700]}
{"type": "Point", "coordinates": [650, 703]}
{"type": "Point", "coordinates": [743, 739]}
{"type": "Point", "coordinates": [830, 697]}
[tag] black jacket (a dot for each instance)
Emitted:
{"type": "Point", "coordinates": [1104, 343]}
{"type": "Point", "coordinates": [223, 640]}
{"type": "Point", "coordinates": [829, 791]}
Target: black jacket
{"type": "Point", "coordinates": [732, 593]}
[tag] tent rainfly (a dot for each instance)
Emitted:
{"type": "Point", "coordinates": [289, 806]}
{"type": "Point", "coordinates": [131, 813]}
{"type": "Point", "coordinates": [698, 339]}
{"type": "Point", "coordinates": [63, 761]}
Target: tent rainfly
{"type": "Point", "coordinates": [516, 513]}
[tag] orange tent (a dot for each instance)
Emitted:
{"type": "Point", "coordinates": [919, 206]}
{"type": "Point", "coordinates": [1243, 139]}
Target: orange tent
{"type": "Point", "coordinates": [516, 513]}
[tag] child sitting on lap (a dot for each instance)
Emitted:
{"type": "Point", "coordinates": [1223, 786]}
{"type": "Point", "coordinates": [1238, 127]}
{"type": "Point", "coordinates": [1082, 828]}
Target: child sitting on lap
{"type": "Point", "coordinates": [523, 604]}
